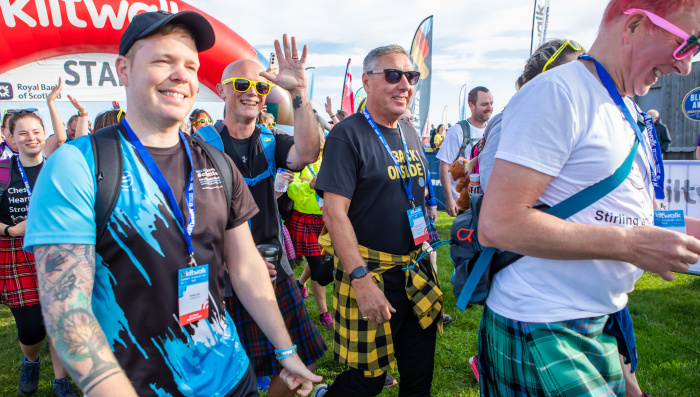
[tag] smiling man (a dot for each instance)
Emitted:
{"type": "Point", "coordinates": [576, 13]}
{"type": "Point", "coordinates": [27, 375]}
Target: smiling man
{"type": "Point", "coordinates": [139, 308]}
{"type": "Point", "coordinates": [257, 152]}
{"type": "Point", "coordinates": [373, 179]}
{"type": "Point", "coordinates": [459, 142]}
{"type": "Point", "coordinates": [542, 330]}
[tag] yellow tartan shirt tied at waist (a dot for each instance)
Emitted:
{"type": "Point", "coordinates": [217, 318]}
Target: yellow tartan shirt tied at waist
{"type": "Point", "coordinates": [366, 345]}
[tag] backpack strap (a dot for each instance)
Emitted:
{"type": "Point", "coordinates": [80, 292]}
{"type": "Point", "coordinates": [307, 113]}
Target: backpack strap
{"type": "Point", "coordinates": [267, 139]}
{"type": "Point", "coordinates": [466, 137]}
{"type": "Point", "coordinates": [221, 163]}
{"type": "Point", "coordinates": [563, 210]}
{"type": "Point", "coordinates": [109, 167]}
{"type": "Point", "coordinates": [210, 135]}
{"type": "Point", "coordinates": [5, 174]}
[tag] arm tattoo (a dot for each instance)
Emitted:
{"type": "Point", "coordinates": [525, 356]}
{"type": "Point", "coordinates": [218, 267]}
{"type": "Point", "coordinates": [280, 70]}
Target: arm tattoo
{"type": "Point", "coordinates": [296, 102]}
{"type": "Point", "coordinates": [66, 277]}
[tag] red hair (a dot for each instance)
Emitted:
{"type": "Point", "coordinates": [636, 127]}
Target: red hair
{"type": "Point", "coordinates": [662, 8]}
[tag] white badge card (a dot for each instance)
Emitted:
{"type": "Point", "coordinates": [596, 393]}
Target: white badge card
{"type": "Point", "coordinates": [675, 220]}
{"type": "Point", "coordinates": [418, 227]}
{"type": "Point", "coordinates": [193, 294]}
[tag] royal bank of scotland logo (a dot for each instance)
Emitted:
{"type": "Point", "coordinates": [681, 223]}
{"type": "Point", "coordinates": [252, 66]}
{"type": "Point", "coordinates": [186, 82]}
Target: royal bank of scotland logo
{"type": "Point", "coordinates": [6, 92]}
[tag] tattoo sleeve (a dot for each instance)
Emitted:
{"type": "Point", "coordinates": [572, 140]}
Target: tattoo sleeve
{"type": "Point", "coordinates": [66, 277]}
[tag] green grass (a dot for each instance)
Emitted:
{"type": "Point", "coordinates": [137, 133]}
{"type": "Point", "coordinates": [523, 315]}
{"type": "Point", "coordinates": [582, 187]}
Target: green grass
{"type": "Point", "coordinates": [666, 317]}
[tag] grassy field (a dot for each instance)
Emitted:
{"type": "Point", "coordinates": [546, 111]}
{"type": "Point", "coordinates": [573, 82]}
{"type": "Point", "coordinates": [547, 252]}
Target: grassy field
{"type": "Point", "coordinates": [666, 317]}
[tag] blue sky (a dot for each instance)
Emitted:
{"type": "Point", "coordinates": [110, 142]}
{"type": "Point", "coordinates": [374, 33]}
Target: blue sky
{"type": "Point", "coordinates": [475, 42]}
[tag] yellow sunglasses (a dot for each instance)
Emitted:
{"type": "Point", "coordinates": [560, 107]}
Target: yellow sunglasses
{"type": "Point", "coordinates": [243, 85]}
{"type": "Point", "coordinates": [574, 45]}
{"type": "Point", "coordinates": [204, 120]}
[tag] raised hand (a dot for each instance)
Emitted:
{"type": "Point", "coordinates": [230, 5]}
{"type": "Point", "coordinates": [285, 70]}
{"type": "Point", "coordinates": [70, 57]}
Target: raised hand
{"type": "Point", "coordinates": [291, 75]}
{"type": "Point", "coordinates": [77, 105]}
{"type": "Point", "coordinates": [55, 91]}
{"type": "Point", "coordinates": [329, 106]}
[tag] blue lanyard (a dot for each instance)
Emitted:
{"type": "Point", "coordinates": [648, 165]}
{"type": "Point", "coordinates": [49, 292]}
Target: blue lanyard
{"type": "Point", "coordinates": [655, 162]}
{"type": "Point", "coordinates": [371, 122]}
{"type": "Point", "coordinates": [158, 177]}
{"type": "Point", "coordinates": [24, 176]}
{"type": "Point", "coordinates": [308, 167]}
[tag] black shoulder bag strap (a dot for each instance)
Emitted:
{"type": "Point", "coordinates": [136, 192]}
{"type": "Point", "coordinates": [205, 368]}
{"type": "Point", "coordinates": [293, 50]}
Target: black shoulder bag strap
{"type": "Point", "coordinates": [466, 137]}
{"type": "Point", "coordinates": [109, 166]}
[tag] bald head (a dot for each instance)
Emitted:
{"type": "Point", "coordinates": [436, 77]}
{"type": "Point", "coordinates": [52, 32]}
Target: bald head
{"type": "Point", "coordinates": [243, 68]}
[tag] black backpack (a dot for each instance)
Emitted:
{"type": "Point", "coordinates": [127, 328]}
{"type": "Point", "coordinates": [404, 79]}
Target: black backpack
{"type": "Point", "coordinates": [466, 137]}
{"type": "Point", "coordinates": [109, 167]}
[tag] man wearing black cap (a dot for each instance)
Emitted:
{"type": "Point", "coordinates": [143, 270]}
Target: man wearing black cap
{"type": "Point", "coordinates": [139, 309]}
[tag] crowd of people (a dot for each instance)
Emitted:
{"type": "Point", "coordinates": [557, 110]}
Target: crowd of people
{"type": "Point", "coordinates": [162, 262]}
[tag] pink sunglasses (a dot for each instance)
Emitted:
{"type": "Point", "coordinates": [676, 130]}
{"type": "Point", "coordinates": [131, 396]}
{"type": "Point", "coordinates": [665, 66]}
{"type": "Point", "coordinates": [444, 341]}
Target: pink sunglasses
{"type": "Point", "coordinates": [689, 47]}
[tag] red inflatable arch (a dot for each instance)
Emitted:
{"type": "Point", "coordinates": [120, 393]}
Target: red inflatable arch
{"type": "Point", "coordinates": [33, 30]}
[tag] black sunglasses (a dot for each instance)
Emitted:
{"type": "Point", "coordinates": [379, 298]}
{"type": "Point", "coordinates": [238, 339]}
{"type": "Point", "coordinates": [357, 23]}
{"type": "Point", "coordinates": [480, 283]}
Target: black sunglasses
{"type": "Point", "coordinates": [393, 76]}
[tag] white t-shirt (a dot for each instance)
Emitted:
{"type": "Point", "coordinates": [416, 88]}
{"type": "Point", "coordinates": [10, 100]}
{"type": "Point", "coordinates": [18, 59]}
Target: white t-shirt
{"type": "Point", "coordinates": [453, 141]}
{"type": "Point", "coordinates": [565, 124]}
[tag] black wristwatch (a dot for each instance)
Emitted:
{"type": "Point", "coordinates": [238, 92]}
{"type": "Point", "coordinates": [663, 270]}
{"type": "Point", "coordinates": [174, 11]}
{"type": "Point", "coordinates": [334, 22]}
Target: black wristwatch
{"type": "Point", "coordinates": [7, 231]}
{"type": "Point", "coordinates": [359, 272]}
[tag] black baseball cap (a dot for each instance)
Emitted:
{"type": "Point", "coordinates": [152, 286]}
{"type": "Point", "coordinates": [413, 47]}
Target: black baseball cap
{"type": "Point", "coordinates": [147, 23]}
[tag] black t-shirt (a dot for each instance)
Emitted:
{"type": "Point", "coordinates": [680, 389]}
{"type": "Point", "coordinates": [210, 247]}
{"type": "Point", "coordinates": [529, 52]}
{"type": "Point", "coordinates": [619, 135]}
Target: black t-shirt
{"type": "Point", "coordinates": [356, 165]}
{"type": "Point", "coordinates": [264, 225]}
{"type": "Point", "coordinates": [15, 199]}
{"type": "Point", "coordinates": [242, 147]}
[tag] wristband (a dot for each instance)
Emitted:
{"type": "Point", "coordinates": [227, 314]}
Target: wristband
{"type": "Point", "coordinates": [284, 353]}
{"type": "Point", "coordinates": [81, 114]}
{"type": "Point", "coordinates": [7, 232]}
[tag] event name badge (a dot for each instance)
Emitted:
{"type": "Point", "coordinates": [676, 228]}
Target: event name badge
{"type": "Point", "coordinates": [418, 227]}
{"type": "Point", "coordinates": [675, 220]}
{"type": "Point", "coordinates": [672, 220]}
{"type": "Point", "coordinates": [193, 294]}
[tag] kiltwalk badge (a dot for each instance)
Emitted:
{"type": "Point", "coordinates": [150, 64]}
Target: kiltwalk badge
{"type": "Point", "coordinates": [419, 229]}
{"type": "Point", "coordinates": [193, 294]}
{"type": "Point", "coordinates": [675, 220]}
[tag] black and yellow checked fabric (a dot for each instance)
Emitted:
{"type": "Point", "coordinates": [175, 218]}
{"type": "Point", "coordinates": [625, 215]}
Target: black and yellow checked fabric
{"type": "Point", "coordinates": [366, 345]}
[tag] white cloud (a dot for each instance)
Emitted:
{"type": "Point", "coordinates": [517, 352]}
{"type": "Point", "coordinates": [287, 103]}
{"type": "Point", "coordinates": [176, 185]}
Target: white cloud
{"type": "Point", "coordinates": [474, 42]}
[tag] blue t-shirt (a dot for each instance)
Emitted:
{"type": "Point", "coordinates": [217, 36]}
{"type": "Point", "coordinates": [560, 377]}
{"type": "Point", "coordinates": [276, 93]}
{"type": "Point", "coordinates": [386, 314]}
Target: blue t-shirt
{"type": "Point", "coordinates": [135, 296]}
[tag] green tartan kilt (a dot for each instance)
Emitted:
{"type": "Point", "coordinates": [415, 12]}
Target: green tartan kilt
{"type": "Point", "coordinates": [568, 358]}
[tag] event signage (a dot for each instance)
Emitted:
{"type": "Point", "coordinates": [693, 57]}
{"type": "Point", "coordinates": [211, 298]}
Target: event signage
{"type": "Point", "coordinates": [36, 30]}
{"type": "Point", "coordinates": [540, 20]}
{"type": "Point", "coordinates": [87, 77]}
{"type": "Point", "coordinates": [682, 188]}
{"type": "Point", "coordinates": [691, 104]}
{"type": "Point", "coordinates": [422, 61]}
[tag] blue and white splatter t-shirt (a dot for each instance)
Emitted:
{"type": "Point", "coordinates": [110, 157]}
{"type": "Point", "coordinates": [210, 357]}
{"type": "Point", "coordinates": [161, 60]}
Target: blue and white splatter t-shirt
{"type": "Point", "coordinates": [135, 296]}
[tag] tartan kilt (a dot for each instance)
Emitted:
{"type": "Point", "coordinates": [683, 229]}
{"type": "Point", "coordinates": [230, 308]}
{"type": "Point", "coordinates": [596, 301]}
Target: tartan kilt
{"type": "Point", "coordinates": [303, 332]}
{"type": "Point", "coordinates": [305, 229]}
{"type": "Point", "coordinates": [566, 358]}
{"type": "Point", "coordinates": [18, 281]}
{"type": "Point", "coordinates": [432, 229]}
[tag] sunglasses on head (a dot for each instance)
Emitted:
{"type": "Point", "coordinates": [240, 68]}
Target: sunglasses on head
{"type": "Point", "coordinates": [243, 85]}
{"type": "Point", "coordinates": [393, 76]}
{"type": "Point", "coordinates": [574, 45]}
{"type": "Point", "coordinates": [15, 111]}
{"type": "Point", "coordinates": [690, 45]}
{"type": "Point", "coordinates": [204, 120]}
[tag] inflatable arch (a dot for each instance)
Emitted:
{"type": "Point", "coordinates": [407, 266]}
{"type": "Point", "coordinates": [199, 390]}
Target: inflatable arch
{"type": "Point", "coordinates": [37, 30]}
